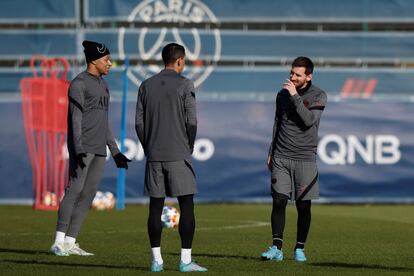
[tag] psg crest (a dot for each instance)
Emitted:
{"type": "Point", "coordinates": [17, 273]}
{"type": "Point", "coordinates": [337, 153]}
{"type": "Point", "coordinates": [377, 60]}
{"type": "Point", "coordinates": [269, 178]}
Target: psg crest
{"type": "Point", "coordinates": [201, 45]}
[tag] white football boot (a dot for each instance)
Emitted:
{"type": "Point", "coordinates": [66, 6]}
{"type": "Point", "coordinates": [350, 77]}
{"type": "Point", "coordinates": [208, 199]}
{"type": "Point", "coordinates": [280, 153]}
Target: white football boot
{"type": "Point", "coordinates": [74, 249]}
{"type": "Point", "coordinates": [58, 249]}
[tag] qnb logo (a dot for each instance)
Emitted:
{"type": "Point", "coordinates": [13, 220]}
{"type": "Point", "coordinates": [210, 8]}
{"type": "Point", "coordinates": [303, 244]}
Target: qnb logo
{"type": "Point", "coordinates": [376, 149]}
{"type": "Point", "coordinates": [203, 150]}
{"type": "Point", "coordinates": [148, 43]}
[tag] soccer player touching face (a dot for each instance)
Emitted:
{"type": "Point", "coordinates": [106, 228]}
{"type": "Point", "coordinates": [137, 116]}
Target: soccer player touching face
{"type": "Point", "coordinates": [292, 155]}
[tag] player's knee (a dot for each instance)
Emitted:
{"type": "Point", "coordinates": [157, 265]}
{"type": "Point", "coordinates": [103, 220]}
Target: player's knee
{"type": "Point", "coordinates": [185, 198]}
{"type": "Point", "coordinates": [186, 202]}
{"type": "Point", "coordinates": [303, 206]}
{"type": "Point", "coordinates": [155, 206]}
{"type": "Point", "coordinates": [279, 200]}
{"type": "Point", "coordinates": [74, 192]}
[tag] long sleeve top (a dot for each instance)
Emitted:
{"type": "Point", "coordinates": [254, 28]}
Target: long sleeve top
{"type": "Point", "coordinates": [296, 125]}
{"type": "Point", "coordinates": [88, 128]}
{"type": "Point", "coordinates": [166, 117]}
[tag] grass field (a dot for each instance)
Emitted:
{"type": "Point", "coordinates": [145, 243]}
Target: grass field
{"type": "Point", "coordinates": [353, 240]}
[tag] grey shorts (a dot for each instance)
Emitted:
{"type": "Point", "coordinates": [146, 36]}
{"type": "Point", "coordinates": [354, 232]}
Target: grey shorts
{"type": "Point", "coordinates": [297, 179]}
{"type": "Point", "coordinates": [169, 178]}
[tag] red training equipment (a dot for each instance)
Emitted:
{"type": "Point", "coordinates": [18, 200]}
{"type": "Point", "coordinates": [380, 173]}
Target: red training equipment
{"type": "Point", "coordinates": [45, 107]}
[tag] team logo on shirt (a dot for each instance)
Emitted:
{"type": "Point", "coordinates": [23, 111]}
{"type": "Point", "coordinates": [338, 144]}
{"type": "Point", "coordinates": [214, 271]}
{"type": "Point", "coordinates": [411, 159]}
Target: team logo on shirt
{"type": "Point", "coordinates": [203, 47]}
{"type": "Point", "coordinates": [317, 103]}
{"type": "Point", "coordinates": [103, 102]}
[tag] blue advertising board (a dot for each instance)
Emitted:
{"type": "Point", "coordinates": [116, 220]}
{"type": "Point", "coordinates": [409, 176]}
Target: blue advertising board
{"type": "Point", "coordinates": [365, 152]}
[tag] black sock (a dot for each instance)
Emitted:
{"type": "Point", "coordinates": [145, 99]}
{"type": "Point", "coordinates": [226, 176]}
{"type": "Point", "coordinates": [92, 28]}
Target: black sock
{"type": "Point", "coordinates": [299, 245]}
{"type": "Point", "coordinates": [277, 241]}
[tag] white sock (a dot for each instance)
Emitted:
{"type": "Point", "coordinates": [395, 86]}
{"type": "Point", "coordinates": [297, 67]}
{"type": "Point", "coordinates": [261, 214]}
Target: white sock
{"type": "Point", "coordinates": [156, 255]}
{"type": "Point", "coordinates": [186, 255]}
{"type": "Point", "coordinates": [70, 240]}
{"type": "Point", "coordinates": [60, 237]}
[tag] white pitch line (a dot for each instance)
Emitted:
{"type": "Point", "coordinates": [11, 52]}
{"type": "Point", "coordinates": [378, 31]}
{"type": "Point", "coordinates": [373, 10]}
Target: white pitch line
{"type": "Point", "coordinates": [251, 224]}
{"type": "Point", "coordinates": [52, 233]}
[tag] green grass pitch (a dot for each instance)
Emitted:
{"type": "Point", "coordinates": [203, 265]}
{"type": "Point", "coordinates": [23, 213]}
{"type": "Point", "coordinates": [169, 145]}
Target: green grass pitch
{"type": "Point", "coordinates": [343, 240]}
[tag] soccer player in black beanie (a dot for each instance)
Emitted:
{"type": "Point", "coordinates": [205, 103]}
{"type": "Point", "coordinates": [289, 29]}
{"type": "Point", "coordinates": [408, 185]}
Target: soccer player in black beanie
{"type": "Point", "coordinates": [88, 135]}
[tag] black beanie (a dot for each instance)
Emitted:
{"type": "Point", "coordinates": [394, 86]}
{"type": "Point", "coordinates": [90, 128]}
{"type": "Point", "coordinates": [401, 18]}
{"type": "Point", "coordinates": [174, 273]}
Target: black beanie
{"type": "Point", "coordinates": [94, 50]}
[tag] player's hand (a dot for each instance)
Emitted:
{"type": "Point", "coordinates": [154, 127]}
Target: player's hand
{"type": "Point", "coordinates": [79, 160]}
{"type": "Point", "coordinates": [121, 161]}
{"type": "Point", "coordinates": [269, 162]}
{"type": "Point", "coordinates": [290, 86]}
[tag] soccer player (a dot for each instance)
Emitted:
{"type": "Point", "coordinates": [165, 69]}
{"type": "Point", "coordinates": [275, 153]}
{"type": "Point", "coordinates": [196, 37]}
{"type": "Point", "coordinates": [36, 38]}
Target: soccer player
{"type": "Point", "coordinates": [166, 125]}
{"type": "Point", "coordinates": [88, 135]}
{"type": "Point", "coordinates": [292, 155]}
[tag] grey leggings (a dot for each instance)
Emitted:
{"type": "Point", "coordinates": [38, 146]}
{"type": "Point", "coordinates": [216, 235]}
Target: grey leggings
{"type": "Point", "coordinates": [82, 187]}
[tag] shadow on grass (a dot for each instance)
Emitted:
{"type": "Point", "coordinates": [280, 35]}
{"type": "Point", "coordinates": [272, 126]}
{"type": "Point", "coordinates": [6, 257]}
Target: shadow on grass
{"type": "Point", "coordinates": [218, 256]}
{"type": "Point", "coordinates": [359, 266]}
{"type": "Point", "coordinates": [35, 262]}
{"type": "Point", "coordinates": [24, 251]}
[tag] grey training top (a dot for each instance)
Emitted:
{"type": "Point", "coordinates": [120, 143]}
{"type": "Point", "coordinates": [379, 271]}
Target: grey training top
{"type": "Point", "coordinates": [295, 130]}
{"type": "Point", "coordinates": [88, 129]}
{"type": "Point", "coordinates": [166, 119]}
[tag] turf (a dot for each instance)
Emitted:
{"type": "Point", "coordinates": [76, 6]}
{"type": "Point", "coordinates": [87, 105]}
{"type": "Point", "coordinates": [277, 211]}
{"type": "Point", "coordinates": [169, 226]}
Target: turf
{"type": "Point", "coordinates": [344, 240]}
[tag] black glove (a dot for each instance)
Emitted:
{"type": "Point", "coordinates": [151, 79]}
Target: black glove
{"type": "Point", "coordinates": [121, 161]}
{"type": "Point", "coordinates": [79, 160]}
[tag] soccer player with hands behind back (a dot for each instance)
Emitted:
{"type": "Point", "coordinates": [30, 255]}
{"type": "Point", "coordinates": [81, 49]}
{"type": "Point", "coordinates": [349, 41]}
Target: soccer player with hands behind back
{"type": "Point", "coordinates": [166, 125]}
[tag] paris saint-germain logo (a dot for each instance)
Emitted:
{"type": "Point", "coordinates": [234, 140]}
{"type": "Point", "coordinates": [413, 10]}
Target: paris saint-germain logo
{"type": "Point", "coordinates": [147, 43]}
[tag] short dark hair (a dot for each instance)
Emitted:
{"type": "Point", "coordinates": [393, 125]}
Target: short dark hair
{"type": "Point", "coordinates": [171, 52]}
{"type": "Point", "coordinates": [304, 62]}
